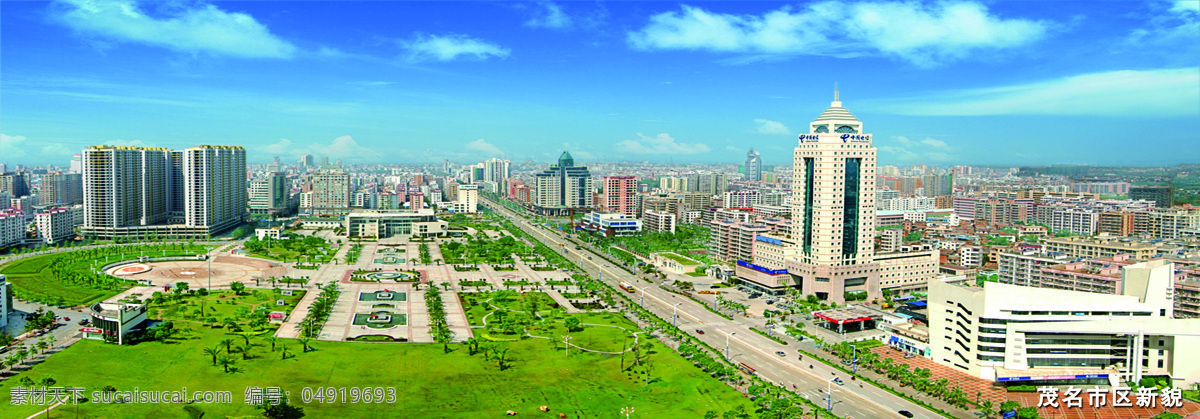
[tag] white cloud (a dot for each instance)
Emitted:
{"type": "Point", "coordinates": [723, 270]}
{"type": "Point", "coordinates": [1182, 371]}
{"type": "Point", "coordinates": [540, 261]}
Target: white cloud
{"type": "Point", "coordinates": [1152, 93]}
{"type": "Point", "coordinates": [483, 147]}
{"type": "Point", "coordinates": [921, 34]}
{"type": "Point", "coordinates": [1174, 31]}
{"type": "Point", "coordinates": [203, 28]}
{"type": "Point", "coordinates": [767, 126]}
{"type": "Point", "coordinates": [904, 150]}
{"type": "Point", "coordinates": [343, 148]}
{"type": "Point", "coordinates": [450, 47]}
{"type": "Point", "coordinates": [659, 144]}
{"type": "Point", "coordinates": [549, 15]}
{"type": "Point", "coordinates": [18, 148]}
{"type": "Point", "coordinates": [934, 143]}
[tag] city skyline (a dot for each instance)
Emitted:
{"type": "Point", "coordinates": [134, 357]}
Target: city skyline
{"type": "Point", "coordinates": [1022, 83]}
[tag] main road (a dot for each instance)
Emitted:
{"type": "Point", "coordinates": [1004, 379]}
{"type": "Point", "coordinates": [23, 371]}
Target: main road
{"type": "Point", "coordinates": [809, 378]}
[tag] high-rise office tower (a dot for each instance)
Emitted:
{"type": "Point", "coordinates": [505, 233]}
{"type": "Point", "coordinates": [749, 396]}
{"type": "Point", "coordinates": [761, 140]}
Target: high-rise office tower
{"type": "Point", "coordinates": [137, 191]}
{"type": "Point", "coordinates": [620, 194]}
{"type": "Point", "coordinates": [753, 165]}
{"type": "Point", "coordinates": [306, 161]}
{"type": "Point", "coordinates": [833, 207]}
{"type": "Point", "coordinates": [269, 194]}
{"type": "Point", "coordinates": [61, 189]}
{"type": "Point", "coordinates": [563, 186]}
{"type": "Point", "coordinates": [324, 161]}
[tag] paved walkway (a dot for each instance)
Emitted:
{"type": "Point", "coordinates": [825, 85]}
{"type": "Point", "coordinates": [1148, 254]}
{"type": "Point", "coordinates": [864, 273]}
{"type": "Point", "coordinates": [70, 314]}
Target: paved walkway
{"type": "Point", "coordinates": [971, 385]}
{"type": "Point", "coordinates": [562, 301]}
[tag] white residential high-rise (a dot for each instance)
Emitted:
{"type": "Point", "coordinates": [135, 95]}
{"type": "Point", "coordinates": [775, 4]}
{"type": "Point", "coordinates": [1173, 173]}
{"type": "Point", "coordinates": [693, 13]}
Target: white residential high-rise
{"type": "Point", "coordinates": [269, 194]}
{"type": "Point", "coordinates": [145, 191]}
{"type": "Point", "coordinates": [833, 207]}
{"type": "Point", "coordinates": [214, 179]}
{"type": "Point", "coordinates": [496, 170]}
{"type": "Point", "coordinates": [331, 191]}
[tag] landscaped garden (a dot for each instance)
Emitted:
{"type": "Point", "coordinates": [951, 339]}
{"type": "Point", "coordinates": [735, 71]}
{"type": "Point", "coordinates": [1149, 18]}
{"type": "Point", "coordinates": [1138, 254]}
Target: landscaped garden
{"type": "Point", "coordinates": [72, 278]}
{"type": "Point", "coordinates": [293, 248]}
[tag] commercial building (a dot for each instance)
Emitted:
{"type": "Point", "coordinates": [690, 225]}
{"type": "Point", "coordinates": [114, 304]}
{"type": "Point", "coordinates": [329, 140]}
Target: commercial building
{"type": "Point", "coordinates": [468, 199]}
{"type": "Point", "coordinates": [58, 224]}
{"type": "Point", "coordinates": [61, 189]}
{"type": "Point", "coordinates": [1161, 195]}
{"type": "Point", "coordinates": [382, 224]}
{"type": "Point", "coordinates": [113, 320]}
{"type": "Point", "coordinates": [655, 221]}
{"type": "Point", "coordinates": [270, 194]}
{"type": "Point", "coordinates": [620, 195]}
{"type": "Point", "coordinates": [939, 185]}
{"type": "Point", "coordinates": [833, 207]}
{"type": "Point", "coordinates": [753, 166]}
{"type": "Point", "coordinates": [563, 187]}
{"type": "Point", "coordinates": [908, 269]}
{"type": "Point", "coordinates": [145, 192]}
{"type": "Point", "coordinates": [1023, 335]}
{"type": "Point", "coordinates": [612, 224]}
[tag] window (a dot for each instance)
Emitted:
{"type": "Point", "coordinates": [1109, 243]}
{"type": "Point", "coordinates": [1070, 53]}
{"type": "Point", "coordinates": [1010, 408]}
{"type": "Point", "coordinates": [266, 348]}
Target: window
{"type": "Point", "coordinates": [1160, 363]}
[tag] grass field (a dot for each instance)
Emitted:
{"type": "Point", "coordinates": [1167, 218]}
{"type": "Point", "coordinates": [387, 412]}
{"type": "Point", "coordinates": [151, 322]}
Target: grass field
{"type": "Point", "coordinates": [428, 383]}
{"type": "Point", "coordinates": [33, 279]}
{"type": "Point", "coordinates": [679, 258]}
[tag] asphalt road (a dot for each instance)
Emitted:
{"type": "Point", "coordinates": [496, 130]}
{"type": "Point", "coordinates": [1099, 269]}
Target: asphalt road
{"type": "Point", "coordinates": [811, 378]}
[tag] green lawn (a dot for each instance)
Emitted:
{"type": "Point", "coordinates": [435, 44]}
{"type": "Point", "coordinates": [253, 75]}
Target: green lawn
{"type": "Point", "coordinates": [428, 383]}
{"type": "Point", "coordinates": [35, 279]}
{"type": "Point", "coordinates": [679, 258]}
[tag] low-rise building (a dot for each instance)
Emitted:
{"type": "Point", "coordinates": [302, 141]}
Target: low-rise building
{"type": "Point", "coordinates": [390, 223]}
{"type": "Point", "coordinates": [1098, 247]}
{"type": "Point", "coordinates": [656, 221]}
{"type": "Point", "coordinates": [57, 224]}
{"type": "Point", "coordinates": [612, 224]}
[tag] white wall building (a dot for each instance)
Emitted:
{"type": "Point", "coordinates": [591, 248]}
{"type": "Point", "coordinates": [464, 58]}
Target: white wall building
{"type": "Point", "coordinates": [57, 224]}
{"type": "Point", "coordinates": [1024, 335]}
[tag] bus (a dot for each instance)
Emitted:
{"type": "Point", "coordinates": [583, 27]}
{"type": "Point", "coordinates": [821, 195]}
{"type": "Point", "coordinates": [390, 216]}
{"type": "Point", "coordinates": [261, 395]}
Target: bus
{"type": "Point", "coordinates": [625, 286]}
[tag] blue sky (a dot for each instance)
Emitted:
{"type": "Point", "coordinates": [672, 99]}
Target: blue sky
{"type": "Point", "coordinates": [953, 82]}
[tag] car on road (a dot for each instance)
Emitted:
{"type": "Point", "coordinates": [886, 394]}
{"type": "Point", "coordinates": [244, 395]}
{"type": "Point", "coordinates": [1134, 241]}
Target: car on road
{"type": "Point", "coordinates": [838, 381]}
{"type": "Point", "coordinates": [770, 302]}
{"type": "Point", "coordinates": [699, 332]}
{"type": "Point", "coordinates": [780, 353]}
{"type": "Point", "coordinates": [83, 321]}
{"type": "Point", "coordinates": [67, 319]}
{"type": "Point", "coordinates": [714, 287]}
{"type": "Point", "coordinates": [905, 413]}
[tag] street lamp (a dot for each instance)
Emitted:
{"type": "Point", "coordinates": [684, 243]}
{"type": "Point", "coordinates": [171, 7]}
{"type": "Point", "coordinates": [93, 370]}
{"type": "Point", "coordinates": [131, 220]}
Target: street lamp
{"type": "Point", "coordinates": [626, 411]}
{"type": "Point", "coordinates": [727, 345]}
{"type": "Point", "coordinates": [829, 394]}
{"type": "Point", "coordinates": [643, 303]}
{"type": "Point", "coordinates": [675, 316]}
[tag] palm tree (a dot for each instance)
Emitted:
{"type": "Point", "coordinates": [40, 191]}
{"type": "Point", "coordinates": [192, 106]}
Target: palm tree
{"type": "Point", "coordinates": [228, 345]}
{"type": "Point", "coordinates": [272, 340]}
{"type": "Point", "coordinates": [245, 349]}
{"type": "Point", "coordinates": [988, 408]}
{"type": "Point", "coordinates": [213, 351]}
{"type": "Point", "coordinates": [305, 342]}
{"type": "Point", "coordinates": [225, 362]}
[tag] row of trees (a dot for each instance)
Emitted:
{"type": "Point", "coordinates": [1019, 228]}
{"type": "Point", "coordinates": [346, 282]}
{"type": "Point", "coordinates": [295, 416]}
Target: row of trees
{"type": "Point", "coordinates": [17, 356]}
{"type": "Point", "coordinates": [437, 318]}
{"type": "Point", "coordinates": [319, 311]}
{"type": "Point", "coordinates": [919, 378]}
